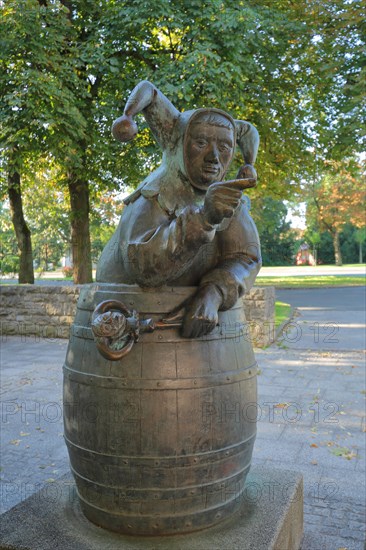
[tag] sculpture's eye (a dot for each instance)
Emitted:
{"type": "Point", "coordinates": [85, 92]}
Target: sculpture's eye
{"type": "Point", "coordinates": [223, 147]}
{"type": "Point", "coordinates": [201, 143]}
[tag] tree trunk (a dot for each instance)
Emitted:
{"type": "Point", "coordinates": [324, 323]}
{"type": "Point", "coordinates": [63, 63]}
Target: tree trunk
{"type": "Point", "coordinates": [360, 259]}
{"type": "Point", "coordinates": [80, 235]}
{"type": "Point", "coordinates": [337, 249]}
{"type": "Point", "coordinates": [22, 232]}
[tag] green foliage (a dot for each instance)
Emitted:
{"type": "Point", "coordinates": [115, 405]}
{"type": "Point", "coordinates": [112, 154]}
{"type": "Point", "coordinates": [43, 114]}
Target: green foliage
{"type": "Point", "coordinates": [278, 241]}
{"type": "Point", "coordinates": [46, 208]}
{"type": "Point", "coordinates": [336, 59]}
{"type": "Point", "coordinates": [348, 242]}
{"type": "Point", "coordinates": [103, 220]}
{"type": "Point", "coordinates": [325, 249]}
{"type": "Point", "coordinates": [68, 74]}
{"type": "Point", "coordinates": [282, 313]}
{"type": "Point", "coordinates": [36, 106]}
{"type": "Point", "coordinates": [334, 199]}
{"type": "Point", "coordinates": [294, 69]}
{"type": "Point", "coordinates": [234, 55]}
{"type": "Point", "coordinates": [360, 235]}
{"type": "Point", "coordinates": [9, 259]}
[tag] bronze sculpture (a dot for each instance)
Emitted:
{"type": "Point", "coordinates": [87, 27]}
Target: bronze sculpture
{"type": "Point", "coordinates": [182, 227]}
{"type": "Point", "coordinates": [185, 251]}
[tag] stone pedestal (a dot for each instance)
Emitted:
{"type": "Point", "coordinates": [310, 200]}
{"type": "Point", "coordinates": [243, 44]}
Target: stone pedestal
{"type": "Point", "coordinates": [270, 517]}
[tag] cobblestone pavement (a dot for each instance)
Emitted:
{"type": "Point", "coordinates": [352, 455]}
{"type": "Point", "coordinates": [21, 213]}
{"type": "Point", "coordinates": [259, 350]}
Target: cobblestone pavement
{"type": "Point", "coordinates": [310, 411]}
{"type": "Point", "coordinates": [312, 408]}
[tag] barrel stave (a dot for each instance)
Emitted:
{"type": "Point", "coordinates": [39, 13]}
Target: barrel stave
{"type": "Point", "coordinates": [159, 442]}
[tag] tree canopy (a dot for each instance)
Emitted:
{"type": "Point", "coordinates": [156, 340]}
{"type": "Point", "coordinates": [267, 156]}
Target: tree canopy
{"type": "Point", "coordinates": [293, 69]}
{"type": "Point", "coordinates": [336, 199]}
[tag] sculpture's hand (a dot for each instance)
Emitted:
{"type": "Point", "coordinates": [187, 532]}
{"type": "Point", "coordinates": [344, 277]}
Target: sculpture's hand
{"type": "Point", "coordinates": [247, 172]}
{"type": "Point", "coordinates": [124, 128]}
{"type": "Point", "coordinates": [201, 314]}
{"type": "Point", "coordinates": [221, 201]}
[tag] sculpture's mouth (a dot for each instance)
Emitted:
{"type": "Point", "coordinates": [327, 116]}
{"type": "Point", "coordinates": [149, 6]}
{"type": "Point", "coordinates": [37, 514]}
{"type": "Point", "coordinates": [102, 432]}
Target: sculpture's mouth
{"type": "Point", "coordinates": [211, 173]}
{"type": "Point", "coordinates": [211, 168]}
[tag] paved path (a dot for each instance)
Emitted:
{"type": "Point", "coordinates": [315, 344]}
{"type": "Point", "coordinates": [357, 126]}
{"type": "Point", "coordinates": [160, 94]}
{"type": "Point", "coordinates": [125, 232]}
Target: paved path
{"type": "Point", "coordinates": [311, 418]}
{"type": "Point", "coordinates": [329, 318]}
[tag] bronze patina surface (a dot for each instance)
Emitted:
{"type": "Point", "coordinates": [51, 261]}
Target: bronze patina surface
{"type": "Point", "coordinates": [160, 376]}
{"type": "Point", "coordinates": [184, 225]}
{"type": "Point", "coordinates": [160, 442]}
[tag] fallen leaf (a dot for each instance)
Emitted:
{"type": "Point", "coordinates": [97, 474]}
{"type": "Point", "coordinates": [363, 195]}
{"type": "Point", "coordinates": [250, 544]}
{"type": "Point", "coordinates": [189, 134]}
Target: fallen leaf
{"type": "Point", "coordinates": [24, 433]}
{"type": "Point", "coordinates": [15, 442]}
{"type": "Point", "coordinates": [313, 445]}
{"type": "Point", "coordinates": [24, 381]}
{"type": "Point", "coordinates": [315, 462]}
{"type": "Point", "coordinates": [344, 452]}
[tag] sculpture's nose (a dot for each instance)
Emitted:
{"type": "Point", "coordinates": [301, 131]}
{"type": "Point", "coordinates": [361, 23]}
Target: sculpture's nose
{"type": "Point", "coordinates": [212, 153]}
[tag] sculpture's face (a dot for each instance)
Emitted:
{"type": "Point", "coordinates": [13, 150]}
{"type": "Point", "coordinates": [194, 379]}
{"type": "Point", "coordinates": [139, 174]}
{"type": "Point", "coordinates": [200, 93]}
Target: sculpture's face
{"type": "Point", "coordinates": [209, 149]}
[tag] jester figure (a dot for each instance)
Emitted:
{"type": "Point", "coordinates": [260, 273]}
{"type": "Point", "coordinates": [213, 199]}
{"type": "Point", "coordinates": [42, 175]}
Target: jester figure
{"type": "Point", "coordinates": [184, 225]}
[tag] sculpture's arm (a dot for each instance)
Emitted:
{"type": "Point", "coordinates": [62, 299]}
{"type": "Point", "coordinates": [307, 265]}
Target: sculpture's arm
{"type": "Point", "coordinates": [158, 249]}
{"type": "Point", "coordinates": [159, 112]}
{"type": "Point", "coordinates": [234, 274]}
{"type": "Point", "coordinates": [240, 259]}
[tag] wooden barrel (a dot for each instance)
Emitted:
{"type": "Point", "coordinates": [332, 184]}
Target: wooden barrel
{"type": "Point", "coordinates": [160, 442]}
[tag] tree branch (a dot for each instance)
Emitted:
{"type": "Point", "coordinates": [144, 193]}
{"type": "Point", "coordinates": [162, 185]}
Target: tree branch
{"type": "Point", "coordinates": [316, 202]}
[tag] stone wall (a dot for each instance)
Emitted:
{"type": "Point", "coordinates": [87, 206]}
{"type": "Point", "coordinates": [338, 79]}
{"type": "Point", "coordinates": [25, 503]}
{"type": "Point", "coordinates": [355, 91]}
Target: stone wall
{"type": "Point", "coordinates": [48, 311]}
{"type": "Point", "coordinates": [259, 306]}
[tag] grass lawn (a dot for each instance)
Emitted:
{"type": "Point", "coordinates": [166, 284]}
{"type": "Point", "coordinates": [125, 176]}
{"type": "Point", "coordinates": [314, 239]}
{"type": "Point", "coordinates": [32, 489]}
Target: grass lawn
{"type": "Point", "coordinates": [282, 313]}
{"type": "Point", "coordinates": [303, 281]}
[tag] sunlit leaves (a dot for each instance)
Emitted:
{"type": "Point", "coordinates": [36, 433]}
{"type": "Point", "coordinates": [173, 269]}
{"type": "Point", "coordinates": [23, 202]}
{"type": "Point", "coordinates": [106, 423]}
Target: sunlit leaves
{"type": "Point", "coordinates": [294, 69]}
{"type": "Point", "coordinates": [338, 198]}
